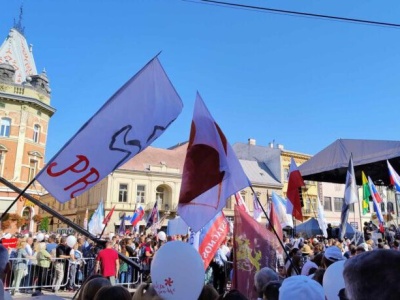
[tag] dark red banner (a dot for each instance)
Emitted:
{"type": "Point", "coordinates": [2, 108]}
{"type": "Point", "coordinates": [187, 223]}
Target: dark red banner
{"type": "Point", "coordinates": [255, 247]}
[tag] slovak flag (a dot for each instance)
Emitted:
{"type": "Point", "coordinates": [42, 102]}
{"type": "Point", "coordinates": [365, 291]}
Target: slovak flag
{"type": "Point", "coordinates": [211, 173]}
{"type": "Point", "coordinates": [293, 194]}
{"type": "Point", "coordinates": [375, 196]}
{"type": "Point", "coordinates": [394, 177]}
{"type": "Point", "coordinates": [137, 216]}
{"type": "Point", "coordinates": [374, 192]}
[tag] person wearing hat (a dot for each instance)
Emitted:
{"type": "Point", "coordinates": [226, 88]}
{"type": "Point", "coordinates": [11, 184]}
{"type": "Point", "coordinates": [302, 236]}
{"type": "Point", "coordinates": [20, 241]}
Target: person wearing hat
{"type": "Point", "coordinates": [301, 288]}
{"type": "Point", "coordinates": [306, 250]}
{"type": "Point", "coordinates": [332, 254]}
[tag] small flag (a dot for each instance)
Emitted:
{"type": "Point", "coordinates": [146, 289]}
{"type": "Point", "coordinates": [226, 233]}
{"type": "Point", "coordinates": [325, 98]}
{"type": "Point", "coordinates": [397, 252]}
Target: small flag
{"type": "Point", "coordinates": [154, 216]}
{"type": "Point", "coordinates": [350, 197]}
{"type": "Point", "coordinates": [108, 217]}
{"type": "Point", "coordinates": [96, 225]}
{"type": "Point", "coordinates": [121, 229]}
{"type": "Point", "coordinates": [137, 216]}
{"type": "Point", "coordinates": [274, 222]}
{"type": "Point", "coordinates": [374, 193]}
{"type": "Point", "coordinates": [280, 208]}
{"type": "Point", "coordinates": [293, 194]}
{"type": "Point", "coordinates": [375, 196]}
{"type": "Point", "coordinates": [350, 191]}
{"type": "Point", "coordinates": [85, 221]}
{"type": "Point", "coordinates": [321, 220]}
{"type": "Point", "coordinates": [257, 210]}
{"type": "Point", "coordinates": [394, 177]}
{"type": "Point", "coordinates": [366, 194]}
{"type": "Point", "coordinates": [240, 202]}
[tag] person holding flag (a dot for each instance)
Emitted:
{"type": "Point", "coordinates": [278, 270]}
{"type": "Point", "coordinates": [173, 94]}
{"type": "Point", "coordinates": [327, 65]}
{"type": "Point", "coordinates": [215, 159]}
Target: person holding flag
{"type": "Point", "coordinates": [137, 216]}
{"type": "Point", "coordinates": [154, 216]}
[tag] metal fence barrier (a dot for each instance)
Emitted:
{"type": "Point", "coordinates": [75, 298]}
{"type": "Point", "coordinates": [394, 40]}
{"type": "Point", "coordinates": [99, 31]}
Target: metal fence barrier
{"type": "Point", "coordinates": [24, 275]}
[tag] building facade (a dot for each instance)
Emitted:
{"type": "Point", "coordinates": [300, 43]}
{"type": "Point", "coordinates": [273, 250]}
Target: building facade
{"type": "Point", "coordinates": [155, 175]}
{"type": "Point", "coordinates": [25, 112]}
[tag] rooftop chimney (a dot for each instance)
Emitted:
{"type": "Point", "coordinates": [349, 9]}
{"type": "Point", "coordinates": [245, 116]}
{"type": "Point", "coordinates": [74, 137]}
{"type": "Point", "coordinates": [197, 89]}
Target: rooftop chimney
{"type": "Point", "coordinates": [252, 142]}
{"type": "Point", "coordinates": [280, 146]}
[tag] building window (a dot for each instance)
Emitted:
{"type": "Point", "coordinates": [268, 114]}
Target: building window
{"type": "Point", "coordinates": [285, 174]}
{"type": "Point", "coordinates": [5, 127]}
{"type": "Point", "coordinates": [140, 193]}
{"type": "Point", "coordinates": [160, 195]}
{"type": "Point", "coordinates": [351, 209]}
{"type": "Point", "coordinates": [383, 207]}
{"type": "Point", "coordinates": [390, 207]}
{"type": "Point", "coordinates": [33, 167]}
{"type": "Point", "coordinates": [36, 133]}
{"type": "Point", "coordinates": [123, 193]}
{"type": "Point", "coordinates": [328, 203]}
{"type": "Point", "coordinates": [338, 203]}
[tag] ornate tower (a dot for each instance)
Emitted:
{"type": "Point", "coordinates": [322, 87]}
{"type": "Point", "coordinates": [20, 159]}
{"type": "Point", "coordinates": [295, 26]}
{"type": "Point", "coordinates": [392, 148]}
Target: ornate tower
{"type": "Point", "coordinates": [25, 112]}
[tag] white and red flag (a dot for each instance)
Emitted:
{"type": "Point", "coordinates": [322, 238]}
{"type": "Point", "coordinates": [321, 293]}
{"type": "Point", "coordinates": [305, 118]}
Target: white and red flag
{"type": "Point", "coordinates": [293, 190]}
{"type": "Point", "coordinates": [211, 173]}
{"type": "Point", "coordinates": [240, 202]}
{"type": "Point", "coordinates": [137, 114]}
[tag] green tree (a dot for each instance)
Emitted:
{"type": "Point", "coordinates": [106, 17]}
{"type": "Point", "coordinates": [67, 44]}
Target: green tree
{"type": "Point", "coordinates": [44, 224]}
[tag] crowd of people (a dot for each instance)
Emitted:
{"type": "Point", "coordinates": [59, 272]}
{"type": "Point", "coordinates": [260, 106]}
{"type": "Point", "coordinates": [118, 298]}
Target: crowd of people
{"type": "Point", "coordinates": [52, 262]}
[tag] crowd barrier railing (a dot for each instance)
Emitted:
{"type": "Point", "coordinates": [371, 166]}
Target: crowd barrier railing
{"type": "Point", "coordinates": [25, 275]}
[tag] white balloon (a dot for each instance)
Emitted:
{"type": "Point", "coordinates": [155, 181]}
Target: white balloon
{"type": "Point", "coordinates": [71, 241]}
{"type": "Point", "coordinates": [40, 237]}
{"type": "Point", "coordinates": [162, 236]}
{"type": "Point", "coordinates": [333, 280]}
{"type": "Point", "coordinates": [170, 268]}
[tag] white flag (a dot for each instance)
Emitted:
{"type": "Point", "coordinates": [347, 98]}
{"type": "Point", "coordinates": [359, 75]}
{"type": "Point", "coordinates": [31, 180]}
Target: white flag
{"type": "Point", "coordinates": [96, 225]}
{"type": "Point", "coordinates": [128, 122]}
{"type": "Point", "coordinates": [321, 219]}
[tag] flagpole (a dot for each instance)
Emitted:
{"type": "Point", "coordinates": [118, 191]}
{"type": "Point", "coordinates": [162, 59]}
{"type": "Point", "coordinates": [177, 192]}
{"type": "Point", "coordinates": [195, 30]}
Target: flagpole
{"type": "Point", "coordinates": [273, 229]}
{"type": "Point", "coordinates": [16, 199]}
{"type": "Point", "coordinates": [102, 232]}
{"type": "Point", "coordinates": [67, 221]}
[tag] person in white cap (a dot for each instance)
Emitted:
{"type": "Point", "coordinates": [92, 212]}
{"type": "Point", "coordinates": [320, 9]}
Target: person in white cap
{"type": "Point", "coordinates": [301, 288]}
{"type": "Point", "coordinates": [332, 254]}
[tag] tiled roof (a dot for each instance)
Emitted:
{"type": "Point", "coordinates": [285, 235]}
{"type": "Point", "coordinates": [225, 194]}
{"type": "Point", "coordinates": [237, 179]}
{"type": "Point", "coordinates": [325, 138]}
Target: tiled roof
{"type": "Point", "coordinates": [172, 158]}
{"type": "Point", "coordinates": [16, 52]}
{"type": "Point", "coordinates": [258, 173]}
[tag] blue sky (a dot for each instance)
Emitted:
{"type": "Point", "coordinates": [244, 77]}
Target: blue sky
{"type": "Point", "coordinates": [302, 82]}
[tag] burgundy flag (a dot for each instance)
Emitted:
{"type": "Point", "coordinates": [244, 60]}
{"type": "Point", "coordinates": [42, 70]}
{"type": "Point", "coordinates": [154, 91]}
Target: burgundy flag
{"type": "Point", "coordinates": [255, 247]}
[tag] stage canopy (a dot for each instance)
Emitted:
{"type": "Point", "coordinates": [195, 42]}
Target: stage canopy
{"type": "Point", "coordinates": [311, 228]}
{"type": "Point", "coordinates": [330, 164]}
